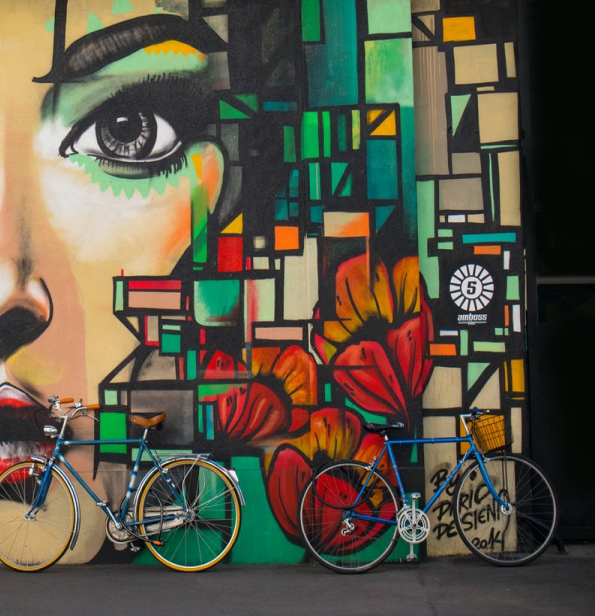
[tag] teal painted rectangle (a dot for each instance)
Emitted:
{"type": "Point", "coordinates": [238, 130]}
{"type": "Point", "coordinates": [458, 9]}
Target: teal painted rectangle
{"type": "Point", "coordinates": [216, 302]}
{"type": "Point", "coordinates": [191, 365]}
{"type": "Point", "coordinates": [488, 238]}
{"type": "Point", "coordinates": [382, 169]}
{"type": "Point", "coordinates": [210, 422]}
{"type": "Point", "coordinates": [171, 343]}
{"type": "Point", "coordinates": [326, 134]}
{"type": "Point", "coordinates": [342, 133]}
{"type": "Point", "coordinates": [201, 419]}
{"type": "Point", "coordinates": [316, 213]}
{"type": "Point", "coordinates": [332, 75]}
{"type": "Point", "coordinates": [389, 16]}
{"type": "Point", "coordinates": [513, 288]}
{"type": "Point", "coordinates": [279, 106]}
{"type": "Point", "coordinates": [294, 183]}
{"type": "Point", "coordinates": [289, 154]}
{"type": "Point", "coordinates": [337, 171]}
{"type": "Point", "coordinates": [281, 209]}
{"type": "Point", "coordinates": [489, 347]}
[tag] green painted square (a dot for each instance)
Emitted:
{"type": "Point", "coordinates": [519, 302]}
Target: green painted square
{"type": "Point", "coordinates": [216, 301]}
{"type": "Point", "coordinates": [171, 343]}
{"type": "Point", "coordinates": [110, 397]}
{"type": "Point", "coordinates": [112, 426]}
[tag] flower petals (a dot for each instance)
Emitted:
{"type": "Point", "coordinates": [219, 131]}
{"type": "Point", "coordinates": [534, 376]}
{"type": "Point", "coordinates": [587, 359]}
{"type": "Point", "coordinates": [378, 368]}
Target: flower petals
{"type": "Point", "coordinates": [367, 375]}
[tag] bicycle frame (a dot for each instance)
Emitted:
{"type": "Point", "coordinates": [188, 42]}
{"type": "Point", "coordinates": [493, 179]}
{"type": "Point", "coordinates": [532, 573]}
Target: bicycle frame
{"type": "Point", "coordinates": [472, 452]}
{"type": "Point", "coordinates": [119, 518]}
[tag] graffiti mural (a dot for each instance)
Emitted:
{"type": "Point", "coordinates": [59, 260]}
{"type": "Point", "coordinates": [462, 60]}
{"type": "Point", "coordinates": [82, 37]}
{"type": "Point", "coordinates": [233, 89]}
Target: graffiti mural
{"type": "Point", "coordinates": [272, 219]}
{"type": "Point", "coordinates": [209, 208]}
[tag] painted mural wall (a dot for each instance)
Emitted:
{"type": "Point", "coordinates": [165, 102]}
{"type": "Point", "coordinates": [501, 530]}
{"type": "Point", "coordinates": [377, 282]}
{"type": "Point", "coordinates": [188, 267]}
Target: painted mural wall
{"type": "Point", "coordinates": [273, 220]}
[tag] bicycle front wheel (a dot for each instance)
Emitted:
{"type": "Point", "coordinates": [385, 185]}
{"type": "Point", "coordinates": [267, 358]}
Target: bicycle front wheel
{"type": "Point", "coordinates": [192, 522]}
{"type": "Point", "coordinates": [506, 538]}
{"type": "Point", "coordinates": [32, 541]}
{"type": "Point", "coordinates": [329, 523]}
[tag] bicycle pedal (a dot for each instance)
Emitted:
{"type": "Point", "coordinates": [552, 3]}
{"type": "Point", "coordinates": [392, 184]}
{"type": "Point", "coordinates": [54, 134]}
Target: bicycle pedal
{"type": "Point", "coordinates": [135, 548]}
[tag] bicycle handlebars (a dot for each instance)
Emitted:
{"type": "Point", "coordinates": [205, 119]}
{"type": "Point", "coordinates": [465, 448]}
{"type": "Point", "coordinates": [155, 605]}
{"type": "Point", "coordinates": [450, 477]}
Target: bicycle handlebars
{"type": "Point", "coordinates": [56, 402]}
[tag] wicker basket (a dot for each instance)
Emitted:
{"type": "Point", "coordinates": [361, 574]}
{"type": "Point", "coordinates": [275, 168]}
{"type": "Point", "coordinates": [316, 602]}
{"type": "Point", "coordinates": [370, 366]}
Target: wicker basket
{"type": "Point", "coordinates": [490, 433]}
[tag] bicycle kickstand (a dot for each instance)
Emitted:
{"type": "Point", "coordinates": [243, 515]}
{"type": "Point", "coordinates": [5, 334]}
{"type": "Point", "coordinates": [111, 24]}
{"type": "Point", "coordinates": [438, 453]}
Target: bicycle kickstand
{"type": "Point", "coordinates": [412, 556]}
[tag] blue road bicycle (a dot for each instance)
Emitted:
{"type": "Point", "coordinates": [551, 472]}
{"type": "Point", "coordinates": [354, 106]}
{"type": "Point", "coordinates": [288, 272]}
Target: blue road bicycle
{"type": "Point", "coordinates": [351, 514]}
{"type": "Point", "coordinates": [186, 509]}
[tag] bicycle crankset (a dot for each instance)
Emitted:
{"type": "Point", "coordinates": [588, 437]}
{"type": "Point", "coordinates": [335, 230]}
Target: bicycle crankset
{"type": "Point", "coordinates": [413, 525]}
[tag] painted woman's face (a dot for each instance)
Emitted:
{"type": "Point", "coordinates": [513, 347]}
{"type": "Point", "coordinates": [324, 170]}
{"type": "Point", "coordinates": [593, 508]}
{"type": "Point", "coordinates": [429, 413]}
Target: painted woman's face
{"type": "Point", "coordinates": [106, 169]}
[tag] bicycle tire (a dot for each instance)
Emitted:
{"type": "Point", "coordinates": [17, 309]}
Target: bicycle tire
{"type": "Point", "coordinates": [326, 510]}
{"type": "Point", "coordinates": [34, 543]}
{"type": "Point", "coordinates": [213, 518]}
{"type": "Point", "coordinates": [506, 539]}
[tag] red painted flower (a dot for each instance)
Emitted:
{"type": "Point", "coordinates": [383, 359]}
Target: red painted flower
{"type": "Point", "coordinates": [331, 434]}
{"type": "Point", "coordinates": [257, 409]}
{"type": "Point", "coordinates": [378, 345]}
{"type": "Point", "coordinates": [244, 409]}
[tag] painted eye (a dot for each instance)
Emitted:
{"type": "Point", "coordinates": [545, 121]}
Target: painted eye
{"type": "Point", "coordinates": [127, 135]}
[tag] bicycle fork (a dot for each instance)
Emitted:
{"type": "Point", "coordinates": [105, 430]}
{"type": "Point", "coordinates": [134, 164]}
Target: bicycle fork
{"type": "Point", "coordinates": [46, 480]}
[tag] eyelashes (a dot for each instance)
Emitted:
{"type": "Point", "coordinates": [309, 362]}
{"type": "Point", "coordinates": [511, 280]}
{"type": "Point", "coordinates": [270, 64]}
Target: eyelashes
{"type": "Point", "coordinates": [142, 130]}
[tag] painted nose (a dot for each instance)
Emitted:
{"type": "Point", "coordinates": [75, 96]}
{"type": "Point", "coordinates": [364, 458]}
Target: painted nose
{"type": "Point", "coordinates": [25, 308]}
{"type": "Point", "coordinates": [25, 301]}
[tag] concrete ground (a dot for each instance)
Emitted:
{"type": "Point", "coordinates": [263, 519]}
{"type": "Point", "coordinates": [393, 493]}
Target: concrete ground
{"type": "Point", "coordinates": [556, 583]}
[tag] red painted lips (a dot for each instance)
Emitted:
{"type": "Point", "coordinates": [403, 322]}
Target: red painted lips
{"type": "Point", "coordinates": [21, 427]}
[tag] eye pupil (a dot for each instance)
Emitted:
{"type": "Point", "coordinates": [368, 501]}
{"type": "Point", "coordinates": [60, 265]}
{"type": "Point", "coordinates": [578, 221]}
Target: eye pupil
{"type": "Point", "coordinates": [125, 128]}
{"type": "Point", "coordinates": [130, 135]}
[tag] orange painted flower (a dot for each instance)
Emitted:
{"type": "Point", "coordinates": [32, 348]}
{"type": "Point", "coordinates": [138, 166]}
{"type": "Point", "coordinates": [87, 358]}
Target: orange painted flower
{"type": "Point", "coordinates": [293, 367]}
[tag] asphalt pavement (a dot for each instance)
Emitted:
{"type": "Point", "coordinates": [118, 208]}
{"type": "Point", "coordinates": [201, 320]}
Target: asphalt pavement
{"type": "Point", "coordinates": [559, 582]}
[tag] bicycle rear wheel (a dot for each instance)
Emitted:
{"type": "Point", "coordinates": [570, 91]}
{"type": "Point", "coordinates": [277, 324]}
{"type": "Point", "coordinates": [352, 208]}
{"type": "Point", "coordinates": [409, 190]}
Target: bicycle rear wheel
{"type": "Point", "coordinates": [208, 513]}
{"type": "Point", "coordinates": [35, 542]}
{"type": "Point", "coordinates": [501, 538]}
{"type": "Point", "coordinates": [328, 522]}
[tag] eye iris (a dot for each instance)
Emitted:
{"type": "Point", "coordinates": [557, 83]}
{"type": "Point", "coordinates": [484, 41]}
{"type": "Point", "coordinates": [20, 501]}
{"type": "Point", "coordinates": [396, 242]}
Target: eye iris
{"type": "Point", "coordinates": [125, 128]}
{"type": "Point", "coordinates": [127, 135]}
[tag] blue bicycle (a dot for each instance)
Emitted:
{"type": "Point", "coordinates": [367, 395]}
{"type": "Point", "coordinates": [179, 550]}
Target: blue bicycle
{"type": "Point", "coordinates": [351, 514]}
{"type": "Point", "coordinates": [186, 509]}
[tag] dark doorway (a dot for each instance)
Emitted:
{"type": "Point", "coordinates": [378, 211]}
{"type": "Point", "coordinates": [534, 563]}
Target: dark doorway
{"type": "Point", "coordinates": [559, 159]}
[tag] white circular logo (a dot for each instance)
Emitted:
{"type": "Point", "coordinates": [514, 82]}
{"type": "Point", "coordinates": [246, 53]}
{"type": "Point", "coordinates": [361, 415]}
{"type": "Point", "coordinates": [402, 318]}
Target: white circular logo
{"type": "Point", "coordinates": [471, 287]}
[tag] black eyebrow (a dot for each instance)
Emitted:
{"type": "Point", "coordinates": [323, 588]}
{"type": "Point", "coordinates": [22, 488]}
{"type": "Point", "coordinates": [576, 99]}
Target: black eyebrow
{"type": "Point", "coordinates": [98, 49]}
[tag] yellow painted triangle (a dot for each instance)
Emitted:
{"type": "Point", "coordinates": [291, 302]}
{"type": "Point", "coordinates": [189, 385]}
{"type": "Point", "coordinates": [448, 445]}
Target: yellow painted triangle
{"type": "Point", "coordinates": [235, 226]}
{"type": "Point", "coordinates": [388, 127]}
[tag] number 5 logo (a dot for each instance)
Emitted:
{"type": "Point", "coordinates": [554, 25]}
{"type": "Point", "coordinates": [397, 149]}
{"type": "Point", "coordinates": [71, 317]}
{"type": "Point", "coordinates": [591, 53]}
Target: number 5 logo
{"type": "Point", "coordinates": [471, 287]}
